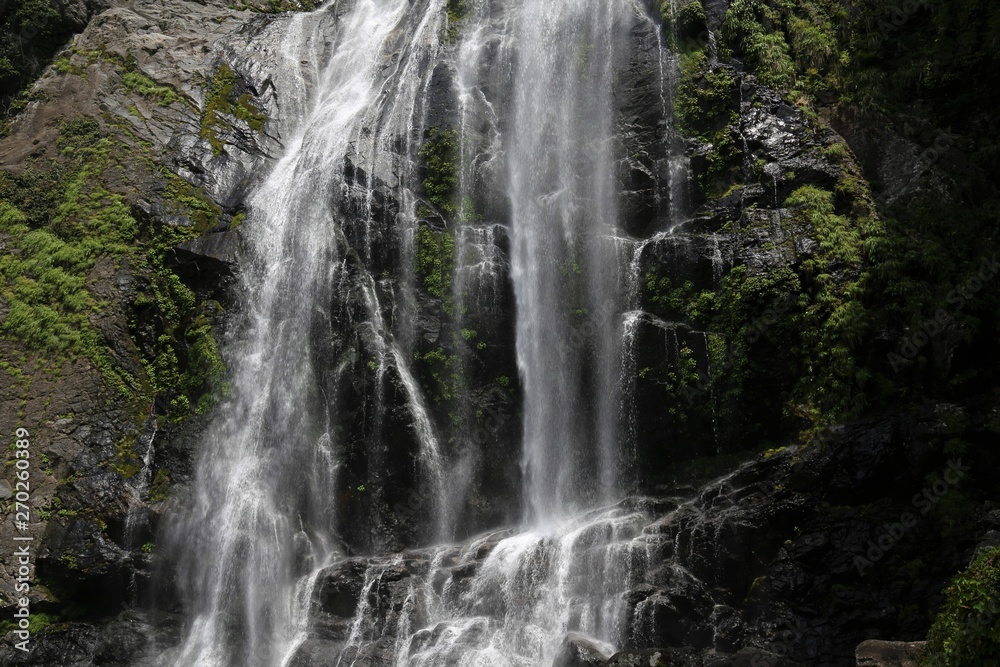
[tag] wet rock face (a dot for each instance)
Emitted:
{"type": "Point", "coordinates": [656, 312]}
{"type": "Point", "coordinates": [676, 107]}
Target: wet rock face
{"type": "Point", "coordinates": [641, 98]}
{"type": "Point", "coordinates": [875, 653]}
{"type": "Point", "coordinates": [757, 568]}
{"type": "Point", "coordinates": [579, 651]}
{"type": "Point", "coordinates": [734, 219]}
{"type": "Point", "coordinates": [125, 640]}
{"type": "Point", "coordinates": [689, 657]}
{"type": "Point", "coordinates": [95, 502]}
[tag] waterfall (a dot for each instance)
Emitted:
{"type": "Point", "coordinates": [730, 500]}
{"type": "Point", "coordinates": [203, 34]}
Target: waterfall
{"type": "Point", "coordinates": [563, 221]}
{"type": "Point", "coordinates": [534, 87]}
{"type": "Point", "coordinates": [261, 522]}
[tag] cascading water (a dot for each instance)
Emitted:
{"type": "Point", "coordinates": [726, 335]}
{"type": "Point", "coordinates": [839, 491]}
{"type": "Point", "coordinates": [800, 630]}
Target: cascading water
{"type": "Point", "coordinates": [261, 530]}
{"type": "Point", "coordinates": [261, 523]}
{"type": "Point", "coordinates": [563, 220]}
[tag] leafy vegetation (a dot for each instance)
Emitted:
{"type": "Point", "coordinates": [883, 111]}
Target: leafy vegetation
{"type": "Point", "coordinates": [456, 10]}
{"type": "Point", "coordinates": [60, 222]}
{"type": "Point", "coordinates": [914, 275]}
{"type": "Point", "coordinates": [440, 154]}
{"type": "Point", "coordinates": [895, 270]}
{"type": "Point", "coordinates": [791, 45]}
{"type": "Point", "coordinates": [834, 317]}
{"type": "Point", "coordinates": [143, 85]}
{"type": "Point", "coordinates": [686, 21]}
{"type": "Point", "coordinates": [967, 630]}
{"type": "Point", "coordinates": [748, 29]}
{"type": "Point", "coordinates": [36, 623]}
{"type": "Point", "coordinates": [445, 372]}
{"type": "Point", "coordinates": [221, 100]}
{"type": "Point", "coordinates": [435, 261]}
{"type": "Point", "coordinates": [31, 31]}
{"type": "Point", "coordinates": [704, 98]}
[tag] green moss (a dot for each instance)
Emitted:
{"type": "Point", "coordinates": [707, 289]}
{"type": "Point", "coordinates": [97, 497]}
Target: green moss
{"type": "Point", "coordinates": [36, 623]}
{"type": "Point", "coordinates": [220, 100]}
{"type": "Point", "coordinates": [64, 64]}
{"type": "Point", "coordinates": [836, 152]}
{"type": "Point", "coordinates": [434, 261]}
{"type": "Point", "coordinates": [143, 85]}
{"type": "Point", "coordinates": [723, 164]}
{"type": "Point", "coordinates": [126, 462]}
{"type": "Point", "coordinates": [43, 278]}
{"type": "Point", "coordinates": [57, 220]}
{"type": "Point", "coordinates": [704, 97]}
{"type": "Point", "coordinates": [440, 154]}
{"type": "Point", "coordinates": [206, 376]}
{"type": "Point", "coordinates": [160, 488]}
{"type": "Point", "coordinates": [967, 630]}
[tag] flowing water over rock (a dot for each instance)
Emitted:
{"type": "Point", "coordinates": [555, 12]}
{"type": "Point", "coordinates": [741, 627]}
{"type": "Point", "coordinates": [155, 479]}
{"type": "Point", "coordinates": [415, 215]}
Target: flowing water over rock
{"type": "Point", "coordinates": [263, 518]}
{"type": "Point", "coordinates": [563, 217]}
{"type": "Point", "coordinates": [506, 598]}
{"type": "Point", "coordinates": [546, 152]}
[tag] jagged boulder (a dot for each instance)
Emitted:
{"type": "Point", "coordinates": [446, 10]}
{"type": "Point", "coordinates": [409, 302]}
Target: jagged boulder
{"type": "Point", "coordinates": [580, 651]}
{"type": "Point", "coordinates": [877, 653]}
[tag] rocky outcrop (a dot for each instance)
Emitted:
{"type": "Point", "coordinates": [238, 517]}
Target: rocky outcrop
{"type": "Point", "coordinates": [876, 653]}
{"type": "Point", "coordinates": [137, 80]}
{"type": "Point", "coordinates": [579, 651]}
{"type": "Point", "coordinates": [672, 657]}
{"type": "Point", "coordinates": [737, 228]}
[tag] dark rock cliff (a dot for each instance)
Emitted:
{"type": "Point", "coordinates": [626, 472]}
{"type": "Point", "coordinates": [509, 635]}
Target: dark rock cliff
{"type": "Point", "coordinates": [744, 340]}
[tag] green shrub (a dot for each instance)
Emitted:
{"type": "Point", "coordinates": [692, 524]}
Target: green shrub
{"type": "Point", "coordinates": [748, 28]}
{"type": "Point", "coordinates": [434, 260]}
{"type": "Point", "coordinates": [704, 97]}
{"type": "Point", "coordinates": [440, 154]}
{"type": "Point", "coordinates": [687, 22]}
{"type": "Point", "coordinates": [967, 630]}
{"type": "Point", "coordinates": [143, 85]}
{"type": "Point", "coordinates": [443, 373]}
